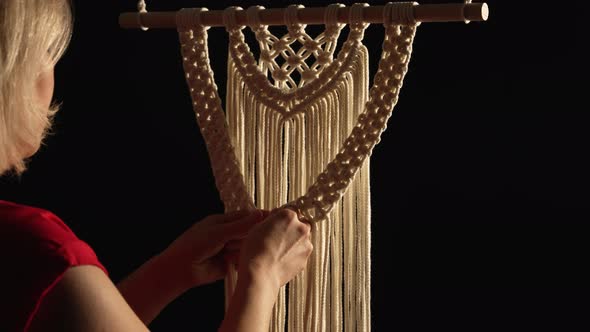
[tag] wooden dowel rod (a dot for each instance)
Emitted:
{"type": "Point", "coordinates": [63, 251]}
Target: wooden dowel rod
{"type": "Point", "coordinates": [373, 14]}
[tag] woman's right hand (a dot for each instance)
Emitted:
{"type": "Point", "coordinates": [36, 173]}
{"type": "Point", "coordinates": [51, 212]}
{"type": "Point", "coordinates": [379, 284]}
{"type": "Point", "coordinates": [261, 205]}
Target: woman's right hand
{"type": "Point", "coordinates": [277, 249]}
{"type": "Point", "coordinates": [274, 252]}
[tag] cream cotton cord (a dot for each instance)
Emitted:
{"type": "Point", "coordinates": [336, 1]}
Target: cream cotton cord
{"type": "Point", "coordinates": [303, 141]}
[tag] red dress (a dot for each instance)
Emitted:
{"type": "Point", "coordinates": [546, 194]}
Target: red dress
{"type": "Point", "coordinates": [36, 248]}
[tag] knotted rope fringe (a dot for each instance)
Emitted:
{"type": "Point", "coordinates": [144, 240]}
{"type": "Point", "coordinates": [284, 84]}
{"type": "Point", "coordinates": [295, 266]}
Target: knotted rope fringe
{"type": "Point", "coordinates": [303, 143]}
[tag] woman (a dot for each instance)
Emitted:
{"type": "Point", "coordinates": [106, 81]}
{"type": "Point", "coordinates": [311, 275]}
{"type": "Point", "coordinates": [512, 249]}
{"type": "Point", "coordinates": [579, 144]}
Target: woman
{"type": "Point", "coordinates": [53, 281]}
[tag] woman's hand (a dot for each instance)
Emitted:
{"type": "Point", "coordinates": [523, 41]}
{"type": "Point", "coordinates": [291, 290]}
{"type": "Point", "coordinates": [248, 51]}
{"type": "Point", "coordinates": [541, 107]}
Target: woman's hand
{"type": "Point", "coordinates": [277, 249]}
{"type": "Point", "coordinates": [199, 256]}
{"type": "Point", "coordinates": [274, 252]}
{"type": "Point", "coordinates": [194, 258]}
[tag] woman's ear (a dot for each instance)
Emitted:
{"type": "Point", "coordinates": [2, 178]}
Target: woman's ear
{"type": "Point", "coordinates": [44, 86]}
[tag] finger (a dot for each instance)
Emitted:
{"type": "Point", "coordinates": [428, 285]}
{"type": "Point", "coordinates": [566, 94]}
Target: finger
{"type": "Point", "coordinates": [233, 245]}
{"type": "Point", "coordinates": [310, 225]}
{"type": "Point", "coordinates": [232, 257]}
{"type": "Point", "coordinates": [227, 217]}
{"type": "Point", "coordinates": [265, 213]}
{"type": "Point", "coordinates": [306, 230]}
{"type": "Point", "coordinates": [274, 211]}
{"type": "Point", "coordinates": [217, 268]}
{"type": "Point", "coordinates": [240, 228]}
{"type": "Point", "coordinates": [295, 233]}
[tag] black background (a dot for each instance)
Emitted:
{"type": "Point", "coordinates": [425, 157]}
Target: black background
{"type": "Point", "coordinates": [479, 185]}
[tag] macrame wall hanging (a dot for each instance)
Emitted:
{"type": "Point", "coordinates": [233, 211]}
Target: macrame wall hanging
{"type": "Point", "coordinates": [299, 125]}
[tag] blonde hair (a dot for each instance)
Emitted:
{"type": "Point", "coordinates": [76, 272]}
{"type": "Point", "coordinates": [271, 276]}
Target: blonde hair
{"type": "Point", "coordinates": [33, 36]}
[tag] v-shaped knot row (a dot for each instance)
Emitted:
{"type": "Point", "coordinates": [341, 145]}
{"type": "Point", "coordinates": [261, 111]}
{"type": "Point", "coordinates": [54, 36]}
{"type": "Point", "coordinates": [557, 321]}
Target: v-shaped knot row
{"type": "Point", "coordinates": [334, 180]}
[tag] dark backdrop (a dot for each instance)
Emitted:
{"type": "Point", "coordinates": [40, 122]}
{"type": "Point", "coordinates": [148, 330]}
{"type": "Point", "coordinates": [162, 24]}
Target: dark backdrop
{"type": "Point", "coordinates": [479, 185]}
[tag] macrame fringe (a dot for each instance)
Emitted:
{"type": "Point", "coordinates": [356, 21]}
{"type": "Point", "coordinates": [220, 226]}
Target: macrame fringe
{"type": "Point", "coordinates": [280, 158]}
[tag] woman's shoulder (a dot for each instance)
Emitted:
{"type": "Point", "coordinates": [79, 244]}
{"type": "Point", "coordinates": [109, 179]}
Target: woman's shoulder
{"type": "Point", "coordinates": [37, 248]}
{"type": "Point", "coordinates": [36, 224]}
{"type": "Point", "coordinates": [22, 212]}
{"type": "Point", "coordinates": [33, 233]}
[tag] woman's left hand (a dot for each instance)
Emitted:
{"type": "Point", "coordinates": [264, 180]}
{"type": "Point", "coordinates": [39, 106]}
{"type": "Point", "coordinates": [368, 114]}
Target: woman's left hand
{"type": "Point", "coordinates": [195, 258]}
{"type": "Point", "coordinates": [200, 255]}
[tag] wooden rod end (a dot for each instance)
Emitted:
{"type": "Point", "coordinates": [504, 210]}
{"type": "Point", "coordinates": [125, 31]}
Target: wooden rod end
{"type": "Point", "coordinates": [128, 20]}
{"type": "Point", "coordinates": [485, 11]}
{"type": "Point", "coordinates": [476, 11]}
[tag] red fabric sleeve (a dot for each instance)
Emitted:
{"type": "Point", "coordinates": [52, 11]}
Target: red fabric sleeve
{"type": "Point", "coordinates": [36, 249]}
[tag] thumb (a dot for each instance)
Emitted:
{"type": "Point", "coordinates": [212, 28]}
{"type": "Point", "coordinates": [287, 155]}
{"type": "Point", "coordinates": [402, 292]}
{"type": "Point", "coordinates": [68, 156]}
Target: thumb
{"type": "Point", "coordinates": [232, 257]}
